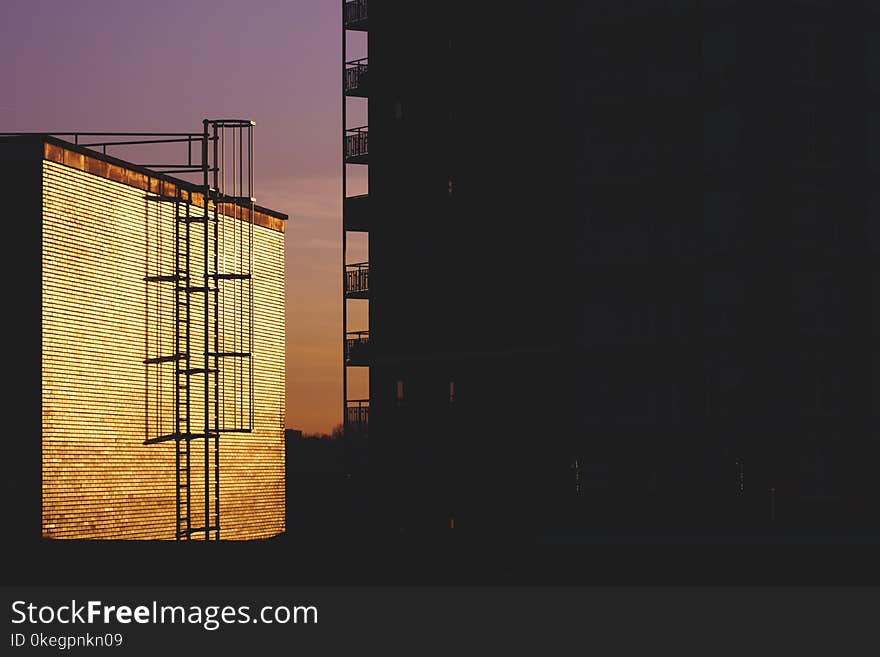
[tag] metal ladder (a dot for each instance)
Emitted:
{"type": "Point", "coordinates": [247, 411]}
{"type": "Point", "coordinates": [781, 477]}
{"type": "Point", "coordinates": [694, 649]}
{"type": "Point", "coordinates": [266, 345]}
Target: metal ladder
{"type": "Point", "coordinates": [205, 365]}
{"type": "Point", "coordinates": [185, 369]}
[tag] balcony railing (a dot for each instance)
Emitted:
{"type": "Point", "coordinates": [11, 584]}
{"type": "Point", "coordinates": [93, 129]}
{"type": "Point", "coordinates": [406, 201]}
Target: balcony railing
{"type": "Point", "coordinates": [356, 77]}
{"type": "Point", "coordinates": [356, 15]}
{"type": "Point", "coordinates": [357, 348]}
{"type": "Point", "coordinates": [357, 414]}
{"type": "Point", "coordinates": [356, 145]}
{"type": "Point", "coordinates": [357, 280]}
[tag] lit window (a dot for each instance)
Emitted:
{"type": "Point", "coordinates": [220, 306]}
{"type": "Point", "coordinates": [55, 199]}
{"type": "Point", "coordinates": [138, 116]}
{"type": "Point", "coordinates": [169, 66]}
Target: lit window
{"type": "Point", "coordinates": [874, 63]}
{"type": "Point", "coordinates": [400, 391]}
{"type": "Point", "coordinates": [452, 392]}
{"type": "Point", "coordinates": [450, 186]}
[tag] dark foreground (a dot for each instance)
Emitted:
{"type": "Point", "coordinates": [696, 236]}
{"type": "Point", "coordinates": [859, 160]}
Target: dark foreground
{"type": "Point", "coordinates": [335, 538]}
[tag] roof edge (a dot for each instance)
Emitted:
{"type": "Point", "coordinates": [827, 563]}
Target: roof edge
{"type": "Point", "coordinates": [134, 175]}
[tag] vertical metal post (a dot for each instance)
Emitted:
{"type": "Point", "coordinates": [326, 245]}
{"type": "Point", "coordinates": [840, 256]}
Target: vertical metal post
{"type": "Point", "coordinates": [250, 272]}
{"type": "Point", "coordinates": [187, 267]}
{"type": "Point", "coordinates": [205, 344]}
{"type": "Point", "coordinates": [238, 132]}
{"type": "Point", "coordinates": [344, 193]}
{"type": "Point", "coordinates": [187, 365]}
{"type": "Point", "coordinates": [178, 364]}
{"type": "Point", "coordinates": [212, 280]}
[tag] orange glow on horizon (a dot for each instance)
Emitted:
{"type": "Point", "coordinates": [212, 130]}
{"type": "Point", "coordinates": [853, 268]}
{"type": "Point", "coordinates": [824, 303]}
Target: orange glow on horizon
{"type": "Point", "coordinates": [314, 300]}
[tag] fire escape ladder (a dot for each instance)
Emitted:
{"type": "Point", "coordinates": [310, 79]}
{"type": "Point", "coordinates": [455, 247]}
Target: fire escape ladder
{"type": "Point", "coordinates": [211, 264]}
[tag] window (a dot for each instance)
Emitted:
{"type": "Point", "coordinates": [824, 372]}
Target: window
{"type": "Point", "coordinates": [450, 187]}
{"type": "Point", "coordinates": [874, 141]}
{"type": "Point", "coordinates": [723, 293]}
{"type": "Point", "coordinates": [722, 214]}
{"type": "Point", "coordinates": [874, 60]}
{"type": "Point", "coordinates": [722, 136]}
{"type": "Point", "coordinates": [811, 55]}
{"type": "Point", "coordinates": [827, 389]}
{"type": "Point", "coordinates": [719, 49]}
{"type": "Point", "coordinates": [814, 138]}
{"type": "Point", "coordinates": [452, 392]}
{"type": "Point", "coordinates": [873, 223]}
{"type": "Point", "coordinates": [817, 303]}
{"type": "Point", "coordinates": [399, 392]}
{"type": "Point", "coordinates": [398, 110]}
{"type": "Point", "coordinates": [724, 385]}
{"type": "Point", "coordinates": [814, 224]}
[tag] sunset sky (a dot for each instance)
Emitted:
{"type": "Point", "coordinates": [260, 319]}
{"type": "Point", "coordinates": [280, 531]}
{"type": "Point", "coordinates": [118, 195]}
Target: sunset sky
{"type": "Point", "coordinates": [164, 65]}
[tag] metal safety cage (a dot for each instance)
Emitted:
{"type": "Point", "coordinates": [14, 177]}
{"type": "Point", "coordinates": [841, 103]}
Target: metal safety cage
{"type": "Point", "coordinates": [200, 326]}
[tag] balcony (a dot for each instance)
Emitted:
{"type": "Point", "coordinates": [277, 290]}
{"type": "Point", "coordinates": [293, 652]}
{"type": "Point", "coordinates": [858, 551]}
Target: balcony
{"type": "Point", "coordinates": [355, 16]}
{"type": "Point", "coordinates": [357, 348]}
{"type": "Point", "coordinates": [355, 211]}
{"type": "Point", "coordinates": [356, 145]}
{"type": "Point", "coordinates": [356, 78]}
{"type": "Point", "coordinates": [357, 415]}
{"type": "Point", "coordinates": [357, 281]}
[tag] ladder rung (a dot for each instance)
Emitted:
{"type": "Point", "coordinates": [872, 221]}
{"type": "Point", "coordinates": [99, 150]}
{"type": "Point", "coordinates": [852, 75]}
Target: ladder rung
{"type": "Point", "coordinates": [178, 436]}
{"type": "Point", "coordinates": [164, 359]}
{"type": "Point", "coordinates": [162, 279]}
{"type": "Point", "coordinates": [165, 198]}
{"type": "Point", "coordinates": [192, 220]}
{"type": "Point", "coordinates": [199, 530]}
{"type": "Point", "coordinates": [230, 277]}
{"type": "Point", "coordinates": [193, 288]}
{"type": "Point", "coordinates": [197, 370]}
{"type": "Point", "coordinates": [229, 354]}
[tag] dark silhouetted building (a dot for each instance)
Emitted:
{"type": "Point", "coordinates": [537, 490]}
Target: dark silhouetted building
{"type": "Point", "coordinates": [622, 261]}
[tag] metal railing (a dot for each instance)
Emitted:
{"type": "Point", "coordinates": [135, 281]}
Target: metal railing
{"type": "Point", "coordinates": [357, 278]}
{"type": "Point", "coordinates": [357, 346]}
{"type": "Point", "coordinates": [356, 143]}
{"type": "Point", "coordinates": [356, 75]}
{"type": "Point", "coordinates": [355, 11]}
{"type": "Point", "coordinates": [101, 141]}
{"type": "Point", "coordinates": [357, 414]}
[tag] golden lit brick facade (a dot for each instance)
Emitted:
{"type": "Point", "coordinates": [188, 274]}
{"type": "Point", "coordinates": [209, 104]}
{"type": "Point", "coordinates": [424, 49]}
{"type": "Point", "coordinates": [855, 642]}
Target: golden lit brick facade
{"type": "Point", "coordinates": [99, 237]}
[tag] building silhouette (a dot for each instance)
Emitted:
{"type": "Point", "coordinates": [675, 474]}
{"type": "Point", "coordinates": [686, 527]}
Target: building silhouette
{"type": "Point", "coordinates": [622, 261]}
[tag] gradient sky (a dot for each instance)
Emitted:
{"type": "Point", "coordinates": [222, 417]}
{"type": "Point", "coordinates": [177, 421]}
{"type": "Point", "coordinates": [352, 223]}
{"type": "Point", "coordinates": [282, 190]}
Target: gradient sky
{"type": "Point", "coordinates": [164, 65]}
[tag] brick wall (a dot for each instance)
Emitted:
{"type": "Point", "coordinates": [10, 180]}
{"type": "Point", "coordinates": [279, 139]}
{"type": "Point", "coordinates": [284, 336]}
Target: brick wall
{"type": "Point", "coordinates": [100, 238]}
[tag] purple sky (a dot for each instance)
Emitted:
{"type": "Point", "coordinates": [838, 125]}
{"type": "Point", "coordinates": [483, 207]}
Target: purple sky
{"type": "Point", "coordinates": [120, 65]}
